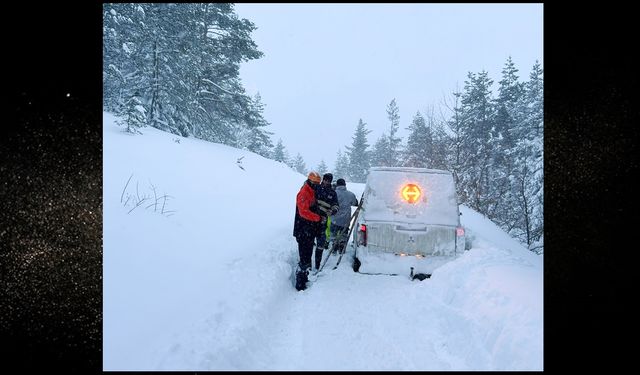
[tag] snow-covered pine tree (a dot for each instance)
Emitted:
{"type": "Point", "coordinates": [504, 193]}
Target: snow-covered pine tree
{"type": "Point", "coordinates": [419, 143]}
{"type": "Point", "coordinates": [510, 92]}
{"type": "Point", "coordinates": [299, 164]}
{"type": "Point", "coordinates": [123, 41]}
{"type": "Point", "coordinates": [342, 167]}
{"type": "Point", "coordinates": [380, 152]}
{"type": "Point", "coordinates": [322, 168]}
{"type": "Point", "coordinates": [528, 176]}
{"type": "Point", "coordinates": [534, 98]}
{"type": "Point", "coordinates": [135, 116]}
{"type": "Point", "coordinates": [502, 146]}
{"type": "Point", "coordinates": [256, 138]}
{"type": "Point", "coordinates": [440, 145]}
{"type": "Point", "coordinates": [184, 61]}
{"type": "Point", "coordinates": [280, 153]}
{"type": "Point", "coordinates": [358, 154]}
{"type": "Point", "coordinates": [454, 132]}
{"type": "Point", "coordinates": [476, 121]}
{"type": "Point", "coordinates": [393, 149]}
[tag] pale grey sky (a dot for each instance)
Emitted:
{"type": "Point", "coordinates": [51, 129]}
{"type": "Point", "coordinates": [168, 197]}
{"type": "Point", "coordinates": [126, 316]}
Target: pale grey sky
{"type": "Point", "coordinates": [325, 66]}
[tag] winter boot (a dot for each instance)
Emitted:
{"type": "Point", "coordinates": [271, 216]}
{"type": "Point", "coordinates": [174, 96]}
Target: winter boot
{"type": "Point", "coordinates": [301, 279]}
{"type": "Point", "coordinates": [340, 247]}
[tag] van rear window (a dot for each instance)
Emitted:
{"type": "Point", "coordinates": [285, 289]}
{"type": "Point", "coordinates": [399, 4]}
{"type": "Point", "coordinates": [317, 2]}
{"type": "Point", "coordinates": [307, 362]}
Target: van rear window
{"type": "Point", "coordinates": [386, 193]}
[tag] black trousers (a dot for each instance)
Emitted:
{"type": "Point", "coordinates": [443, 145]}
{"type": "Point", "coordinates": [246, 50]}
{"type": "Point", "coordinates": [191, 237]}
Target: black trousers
{"type": "Point", "coordinates": [319, 251]}
{"type": "Point", "coordinates": [305, 250]}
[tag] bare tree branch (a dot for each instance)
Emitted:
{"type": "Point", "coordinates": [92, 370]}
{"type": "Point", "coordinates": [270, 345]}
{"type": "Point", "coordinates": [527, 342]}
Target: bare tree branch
{"type": "Point", "coordinates": [137, 204]}
{"type": "Point", "coordinates": [125, 188]}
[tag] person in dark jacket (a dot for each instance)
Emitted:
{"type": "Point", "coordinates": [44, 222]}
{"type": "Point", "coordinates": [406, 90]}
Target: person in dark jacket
{"type": "Point", "coordinates": [340, 220]}
{"type": "Point", "coordinates": [305, 226]}
{"type": "Point", "coordinates": [327, 205]}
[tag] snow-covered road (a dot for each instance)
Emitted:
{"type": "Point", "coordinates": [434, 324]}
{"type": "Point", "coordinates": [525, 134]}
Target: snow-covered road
{"type": "Point", "coordinates": [209, 287]}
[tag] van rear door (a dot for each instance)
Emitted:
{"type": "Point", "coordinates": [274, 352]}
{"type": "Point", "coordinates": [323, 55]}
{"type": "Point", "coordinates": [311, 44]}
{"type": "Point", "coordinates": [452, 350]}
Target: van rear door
{"type": "Point", "coordinates": [410, 211]}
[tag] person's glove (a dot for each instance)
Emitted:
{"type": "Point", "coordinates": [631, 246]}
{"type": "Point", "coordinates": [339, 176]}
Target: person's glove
{"type": "Point", "coordinates": [334, 210]}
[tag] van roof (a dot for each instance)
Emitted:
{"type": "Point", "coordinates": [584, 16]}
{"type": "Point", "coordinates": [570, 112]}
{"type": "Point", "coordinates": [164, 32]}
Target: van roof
{"type": "Point", "coordinates": [408, 169]}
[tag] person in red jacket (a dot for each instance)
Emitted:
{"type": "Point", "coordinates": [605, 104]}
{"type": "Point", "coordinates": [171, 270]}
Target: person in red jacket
{"type": "Point", "coordinates": [305, 226]}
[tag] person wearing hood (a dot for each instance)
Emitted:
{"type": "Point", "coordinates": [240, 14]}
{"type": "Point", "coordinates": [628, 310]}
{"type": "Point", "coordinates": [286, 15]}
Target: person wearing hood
{"type": "Point", "coordinates": [340, 220]}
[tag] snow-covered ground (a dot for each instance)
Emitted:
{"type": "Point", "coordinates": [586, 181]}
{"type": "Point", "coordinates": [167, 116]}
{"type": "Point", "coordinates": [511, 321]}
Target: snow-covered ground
{"type": "Point", "coordinates": [201, 280]}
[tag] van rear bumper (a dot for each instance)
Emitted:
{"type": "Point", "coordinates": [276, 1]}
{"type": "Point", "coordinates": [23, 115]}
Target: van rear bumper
{"type": "Point", "coordinates": [390, 263]}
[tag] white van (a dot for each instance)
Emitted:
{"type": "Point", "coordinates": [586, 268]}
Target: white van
{"type": "Point", "coordinates": [409, 222]}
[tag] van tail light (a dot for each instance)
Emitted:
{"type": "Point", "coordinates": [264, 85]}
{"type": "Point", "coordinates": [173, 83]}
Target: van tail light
{"type": "Point", "coordinates": [362, 235]}
{"type": "Point", "coordinates": [459, 231]}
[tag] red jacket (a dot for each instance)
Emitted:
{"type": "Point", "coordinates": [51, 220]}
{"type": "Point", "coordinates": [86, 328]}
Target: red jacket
{"type": "Point", "coordinates": [306, 221]}
{"type": "Point", "coordinates": [304, 200]}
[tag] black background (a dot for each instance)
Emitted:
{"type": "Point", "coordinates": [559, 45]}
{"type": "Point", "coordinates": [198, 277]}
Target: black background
{"type": "Point", "coordinates": [51, 151]}
{"type": "Point", "coordinates": [51, 187]}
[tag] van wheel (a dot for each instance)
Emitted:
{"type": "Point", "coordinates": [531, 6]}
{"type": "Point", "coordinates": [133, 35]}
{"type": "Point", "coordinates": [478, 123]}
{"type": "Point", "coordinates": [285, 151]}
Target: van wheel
{"type": "Point", "coordinates": [356, 264]}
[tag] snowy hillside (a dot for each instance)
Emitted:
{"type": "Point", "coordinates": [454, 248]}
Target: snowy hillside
{"type": "Point", "coordinates": [198, 256]}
